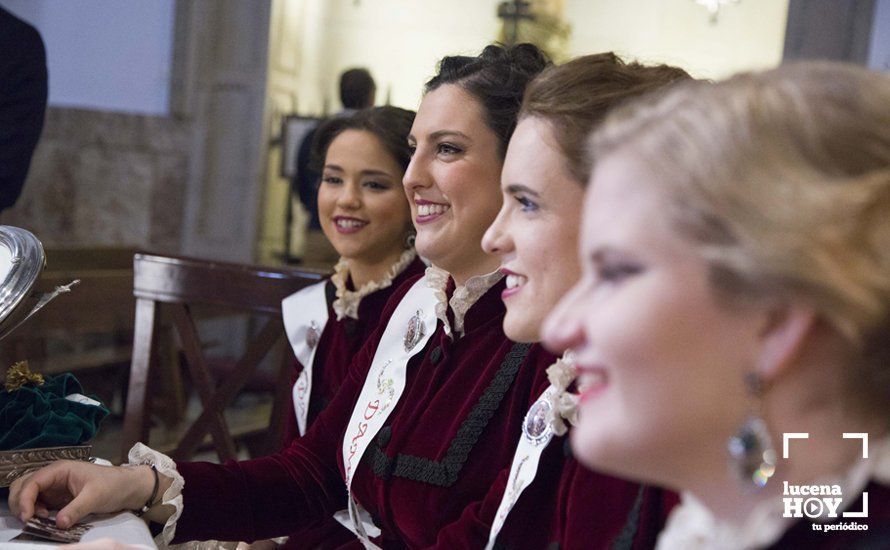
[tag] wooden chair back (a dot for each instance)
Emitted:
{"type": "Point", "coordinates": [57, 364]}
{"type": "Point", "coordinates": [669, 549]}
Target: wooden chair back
{"type": "Point", "coordinates": [100, 305]}
{"type": "Point", "coordinates": [178, 284]}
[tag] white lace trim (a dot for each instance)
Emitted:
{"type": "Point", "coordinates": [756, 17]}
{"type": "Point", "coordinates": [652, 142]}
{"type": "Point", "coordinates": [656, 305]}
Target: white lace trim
{"type": "Point", "coordinates": [348, 301]}
{"type": "Point", "coordinates": [141, 454]}
{"type": "Point", "coordinates": [564, 405]}
{"type": "Point", "coordinates": [691, 525]}
{"type": "Point", "coordinates": [463, 298]}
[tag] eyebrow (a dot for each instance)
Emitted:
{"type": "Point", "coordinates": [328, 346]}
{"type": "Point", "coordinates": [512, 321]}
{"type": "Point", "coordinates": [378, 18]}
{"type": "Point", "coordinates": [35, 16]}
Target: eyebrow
{"type": "Point", "coordinates": [440, 134]}
{"type": "Point", "coordinates": [515, 188]}
{"type": "Point", "coordinates": [370, 172]}
{"type": "Point", "coordinates": [606, 252]}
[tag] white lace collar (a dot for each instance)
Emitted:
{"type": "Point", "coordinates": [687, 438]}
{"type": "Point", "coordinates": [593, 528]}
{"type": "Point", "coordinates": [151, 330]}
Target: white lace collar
{"type": "Point", "coordinates": [463, 298]}
{"type": "Point", "coordinates": [563, 404]}
{"type": "Point", "coordinates": [692, 525]}
{"type": "Point", "coordinates": [348, 301]}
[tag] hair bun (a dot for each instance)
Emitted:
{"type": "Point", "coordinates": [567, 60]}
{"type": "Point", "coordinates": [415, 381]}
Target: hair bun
{"type": "Point", "coordinates": [528, 57]}
{"type": "Point", "coordinates": [496, 78]}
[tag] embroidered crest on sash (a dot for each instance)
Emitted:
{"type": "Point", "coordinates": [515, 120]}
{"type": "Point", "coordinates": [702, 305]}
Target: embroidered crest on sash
{"type": "Point", "coordinates": [536, 427]}
{"type": "Point", "coordinates": [415, 331]}
{"type": "Point", "coordinates": [312, 335]}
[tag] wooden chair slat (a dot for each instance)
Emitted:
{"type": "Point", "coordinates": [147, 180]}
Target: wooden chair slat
{"type": "Point", "coordinates": [181, 285]}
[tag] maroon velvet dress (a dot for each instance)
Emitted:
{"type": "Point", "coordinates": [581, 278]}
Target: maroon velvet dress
{"type": "Point", "coordinates": [340, 341]}
{"type": "Point", "coordinates": [430, 476]}
{"type": "Point", "coordinates": [434, 475]}
{"type": "Point", "coordinates": [568, 506]}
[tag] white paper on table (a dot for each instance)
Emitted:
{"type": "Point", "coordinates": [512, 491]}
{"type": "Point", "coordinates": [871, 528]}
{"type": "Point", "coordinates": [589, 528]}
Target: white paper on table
{"type": "Point", "coordinates": [123, 527]}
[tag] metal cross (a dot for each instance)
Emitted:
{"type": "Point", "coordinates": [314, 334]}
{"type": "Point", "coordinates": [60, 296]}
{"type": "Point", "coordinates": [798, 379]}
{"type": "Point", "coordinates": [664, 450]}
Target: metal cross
{"type": "Point", "coordinates": [512, 12]}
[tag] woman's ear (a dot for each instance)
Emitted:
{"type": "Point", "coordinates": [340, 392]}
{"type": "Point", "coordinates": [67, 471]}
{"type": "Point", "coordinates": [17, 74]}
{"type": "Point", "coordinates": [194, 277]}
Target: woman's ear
{"type": "Point", "coordinates": [783, 336]}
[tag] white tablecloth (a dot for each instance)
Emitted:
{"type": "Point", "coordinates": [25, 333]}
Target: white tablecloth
{"type": "Point", "coordinates": [123, 527]}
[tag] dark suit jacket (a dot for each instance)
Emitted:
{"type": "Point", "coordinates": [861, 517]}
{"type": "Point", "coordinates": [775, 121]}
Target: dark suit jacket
{"type": "Point", "coordinates": [23, 89]}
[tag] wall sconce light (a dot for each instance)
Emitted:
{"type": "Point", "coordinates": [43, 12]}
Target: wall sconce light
{"type": "Point", "coordinates": [713, 7]}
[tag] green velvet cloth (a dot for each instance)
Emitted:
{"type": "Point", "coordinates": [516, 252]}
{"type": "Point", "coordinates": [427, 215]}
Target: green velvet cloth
{"type": "Point", "coordinates": [40, 416]}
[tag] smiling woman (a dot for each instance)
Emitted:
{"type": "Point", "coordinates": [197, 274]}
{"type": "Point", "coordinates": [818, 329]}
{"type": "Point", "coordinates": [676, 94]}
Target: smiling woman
{"type": "Point", "coordinates": [361, 203]}
{"type": "Point", "coordinates": [365, 215]}
{"type": "Point", "coordinates": [535, 236]}
{"type": "Point", "coordinates": [735, 251]}
{"type": "Point", "coordinates": [452, 181]}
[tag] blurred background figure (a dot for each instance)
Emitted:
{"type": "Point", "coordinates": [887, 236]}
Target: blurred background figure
{"type": "Point", "coordinates": [23, 89]}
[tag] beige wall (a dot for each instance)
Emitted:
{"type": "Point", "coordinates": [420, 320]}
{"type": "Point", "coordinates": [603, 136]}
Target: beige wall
{"type": "Point", "coordinates": [747, 35]}
{"type": "Point", "coordinates": [401, 40]}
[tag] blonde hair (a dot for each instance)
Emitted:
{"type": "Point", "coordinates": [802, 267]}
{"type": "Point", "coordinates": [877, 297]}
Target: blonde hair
{"type": "Point", "coordinates": [781, 179]}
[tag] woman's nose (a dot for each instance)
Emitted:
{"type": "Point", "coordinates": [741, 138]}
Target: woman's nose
{"type": "Point", "coordinates": [415, 175]}
{"type": "Point", "coordinates": [349, 197]}
{"type": "Point", "coordinates": [564, 327]}
{"type": "Point", "coordinates": [496, 240]}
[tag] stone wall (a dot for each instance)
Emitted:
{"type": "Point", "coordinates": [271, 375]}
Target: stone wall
{"type": "Point", "coordinates": [106, 179]}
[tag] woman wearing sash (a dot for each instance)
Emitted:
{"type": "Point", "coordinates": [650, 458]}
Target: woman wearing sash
{"type": "Point", "coordinates": [550, 498]}
{"type": "Point", "coordinates": [431, 408]}
{"type": "Point", "coordinates": [731, 321]}
{"type": "Point", "coordinates": [365, 216]}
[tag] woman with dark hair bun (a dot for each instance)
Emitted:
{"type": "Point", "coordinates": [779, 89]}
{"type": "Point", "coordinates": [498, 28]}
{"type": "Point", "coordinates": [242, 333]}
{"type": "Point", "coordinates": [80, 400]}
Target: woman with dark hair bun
{"type": "Point", "coordinates": [431, 408]}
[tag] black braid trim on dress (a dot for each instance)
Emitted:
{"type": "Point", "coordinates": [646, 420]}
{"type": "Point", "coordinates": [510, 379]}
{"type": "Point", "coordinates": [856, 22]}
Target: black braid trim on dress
{"type": "Point", "coordinates": [444, 473]}
{"type": "Point", "coordinates": [625, 539]}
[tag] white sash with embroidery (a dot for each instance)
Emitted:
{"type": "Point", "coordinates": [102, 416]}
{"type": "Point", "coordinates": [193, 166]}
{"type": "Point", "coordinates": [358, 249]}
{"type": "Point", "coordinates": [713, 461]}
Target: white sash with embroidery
{"type": "Point", "coordinates": [409, 329]}
{"type": "Point", "coordinates": [305, 315]}
{"type": "Point", "coordinates": [536, 435]}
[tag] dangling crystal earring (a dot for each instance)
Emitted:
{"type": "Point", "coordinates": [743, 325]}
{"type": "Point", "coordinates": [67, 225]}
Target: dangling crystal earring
{"type": "Point", "coordinates": [751, 451]}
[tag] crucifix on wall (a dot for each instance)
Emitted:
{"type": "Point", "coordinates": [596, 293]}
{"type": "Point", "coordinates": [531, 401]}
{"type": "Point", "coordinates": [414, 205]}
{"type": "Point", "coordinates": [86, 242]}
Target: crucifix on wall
{"type": "Point", "coordinates": [512, 12]}
{"type": "Point", "coordinates": [539, 22]}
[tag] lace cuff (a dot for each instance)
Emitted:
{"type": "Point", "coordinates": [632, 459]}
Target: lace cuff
{"type": "Point", "coordinates": [141, 454]}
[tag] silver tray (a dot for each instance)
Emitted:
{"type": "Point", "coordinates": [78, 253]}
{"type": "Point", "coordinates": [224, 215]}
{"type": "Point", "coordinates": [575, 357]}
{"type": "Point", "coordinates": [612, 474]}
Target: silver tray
{"type": "Point", "coordinates": [14, 464]}
{"type": "Point", "coordinates": [21, 261]}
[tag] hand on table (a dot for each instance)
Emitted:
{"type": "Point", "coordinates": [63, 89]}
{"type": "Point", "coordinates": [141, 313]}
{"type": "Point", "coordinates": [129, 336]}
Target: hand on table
{"type": "Point", "coordinates": [77, 489]}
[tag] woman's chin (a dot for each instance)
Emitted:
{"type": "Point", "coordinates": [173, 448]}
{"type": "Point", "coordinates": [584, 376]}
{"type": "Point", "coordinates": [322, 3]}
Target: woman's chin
{"type": "Point", "coordinates": [596, 449]}
{"type": "Point", "coordinates": [427, 247]}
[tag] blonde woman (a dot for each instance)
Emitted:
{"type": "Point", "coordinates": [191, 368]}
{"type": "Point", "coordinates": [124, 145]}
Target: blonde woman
{"type": "Point", "coordinates": [731, 321]}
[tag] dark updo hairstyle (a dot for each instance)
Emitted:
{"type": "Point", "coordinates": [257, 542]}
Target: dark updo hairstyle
{"type": "Point", "coordinates": [391, 125]}
{"type": "Point", "coordinates": [496, 78]}
{"type": "Point", "coordinates": [576, 96]}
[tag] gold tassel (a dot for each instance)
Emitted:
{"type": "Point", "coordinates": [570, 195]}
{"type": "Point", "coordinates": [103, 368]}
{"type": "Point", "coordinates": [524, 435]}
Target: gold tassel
{"type": "Point", "coordinates": [19, 374]}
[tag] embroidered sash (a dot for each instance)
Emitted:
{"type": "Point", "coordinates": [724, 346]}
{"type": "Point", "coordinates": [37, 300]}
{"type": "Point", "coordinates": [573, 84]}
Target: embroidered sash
{"type": "Point", "coordinates": [409, 329]}
{"type": "Point", "coordinates": [536, 434]}
{"type": "Point", "coordinates": [305, 314]}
